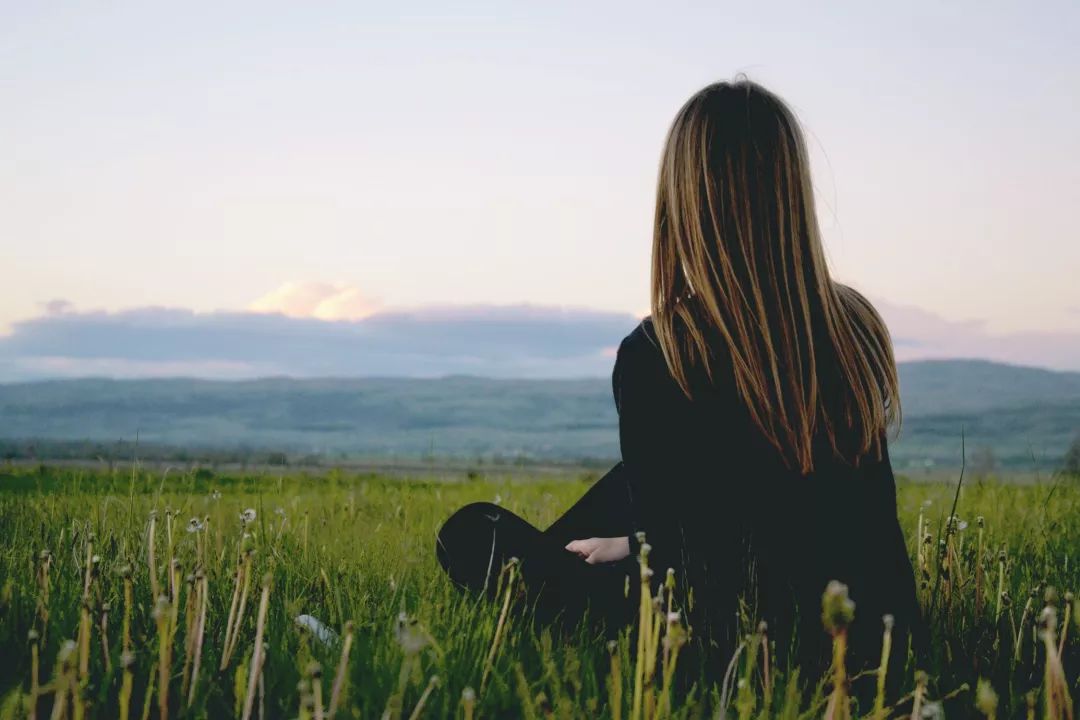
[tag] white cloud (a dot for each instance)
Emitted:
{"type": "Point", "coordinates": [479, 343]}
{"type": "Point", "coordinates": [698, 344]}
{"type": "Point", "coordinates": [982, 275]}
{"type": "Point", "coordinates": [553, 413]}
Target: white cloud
{"type": "Point", "coordinates": [323, 301]}
{"type": "Point", "coordinates": [921, 335]}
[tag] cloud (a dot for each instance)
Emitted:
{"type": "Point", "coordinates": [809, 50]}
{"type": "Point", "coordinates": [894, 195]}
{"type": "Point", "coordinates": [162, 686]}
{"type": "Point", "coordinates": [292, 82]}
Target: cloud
{"type": "Point", "coordinates": [498, 341]}
{"type": "Point", "coordinates": [514, 341]}
{"type": "Point", "coordinates": [58, 306]}
{"type": "Point", "coordinates": [921, 335]}
{"type": "Point", "coordinates": [323, 301]}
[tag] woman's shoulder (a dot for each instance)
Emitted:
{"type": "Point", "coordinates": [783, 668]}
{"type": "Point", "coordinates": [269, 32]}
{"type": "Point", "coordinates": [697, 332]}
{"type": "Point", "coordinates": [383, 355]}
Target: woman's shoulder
{"type": "Point", "coordinates": [639, 362]}
{"type": "Point", "coordinates": [641, 347]}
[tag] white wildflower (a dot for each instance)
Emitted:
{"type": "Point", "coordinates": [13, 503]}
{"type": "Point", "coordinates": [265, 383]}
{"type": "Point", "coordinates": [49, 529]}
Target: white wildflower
{"type": "Point", "coordinates": [318, 629]}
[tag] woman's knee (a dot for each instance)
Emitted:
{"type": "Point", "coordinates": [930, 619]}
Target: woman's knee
{"type": "Point", "coordinates": [466, 535]}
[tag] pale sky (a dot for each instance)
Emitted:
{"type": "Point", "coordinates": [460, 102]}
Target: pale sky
{"type": "Point", "coordinates": [204, 155]}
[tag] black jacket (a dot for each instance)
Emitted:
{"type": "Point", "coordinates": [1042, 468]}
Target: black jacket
{"type": "Point", "coordinates": [748, 536]}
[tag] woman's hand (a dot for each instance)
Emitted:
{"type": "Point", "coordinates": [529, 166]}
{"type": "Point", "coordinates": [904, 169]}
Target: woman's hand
{"type": "Point", "coordinates": [600, 550]}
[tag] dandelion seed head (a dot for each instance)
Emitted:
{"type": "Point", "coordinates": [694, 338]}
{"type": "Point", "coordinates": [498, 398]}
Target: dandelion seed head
{"type": "Point", "coordinates": [248, 516]}
{"type": "Point", "coordinates": [1048, 620]}
{"type": "Point", "coordinates": [195, 525]}
{"type": "Point", "coordinates": [986, 700]}
{"type": "Point", "coordinates": [468, 695]}
{"type": "Point", "coordinates": [67, 652]}
{"type": "Point", "coordinates": [161, 606]}
{"type": "Point", "coordinates": [410, 635]}
{"type": "Point", "coordinates": [837, 608]}
{"type": "Point", "coordinates": [888, 621]}
{"type": "Point", "coordinates": [932, 711]}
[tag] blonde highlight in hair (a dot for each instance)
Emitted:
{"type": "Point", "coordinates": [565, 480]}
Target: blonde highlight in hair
{"type": "Point", "coordinates": [738, 267]}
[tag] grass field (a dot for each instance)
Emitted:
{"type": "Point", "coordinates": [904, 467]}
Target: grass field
{"type": "Point", "coordinates": [94, 624]}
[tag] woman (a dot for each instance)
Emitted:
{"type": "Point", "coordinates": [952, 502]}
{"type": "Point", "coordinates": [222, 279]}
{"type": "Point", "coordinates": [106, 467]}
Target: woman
{"type": "Point", "coordinates": [753, 408]}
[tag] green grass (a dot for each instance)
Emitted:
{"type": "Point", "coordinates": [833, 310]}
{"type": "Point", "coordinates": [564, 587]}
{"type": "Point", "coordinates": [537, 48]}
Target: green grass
{"type": "Point", "coordinates": [360, 550]}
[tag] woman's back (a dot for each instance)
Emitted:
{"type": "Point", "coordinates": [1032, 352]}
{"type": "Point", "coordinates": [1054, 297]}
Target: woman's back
{"type": "Point", "coordinates": [749, 534]}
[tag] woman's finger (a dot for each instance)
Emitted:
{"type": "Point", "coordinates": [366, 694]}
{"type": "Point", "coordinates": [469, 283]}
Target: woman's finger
{"type": "Point", "coordinates": [578, 546]}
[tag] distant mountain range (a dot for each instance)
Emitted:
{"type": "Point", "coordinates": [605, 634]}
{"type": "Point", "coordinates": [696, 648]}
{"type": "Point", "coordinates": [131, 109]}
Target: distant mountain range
{"type": "Point", "coordinates": [1017, 417]}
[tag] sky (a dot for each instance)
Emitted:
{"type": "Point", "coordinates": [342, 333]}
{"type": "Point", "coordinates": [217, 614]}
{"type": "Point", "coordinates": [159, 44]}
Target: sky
{"type": "Point", "coordinates": [336, 162]}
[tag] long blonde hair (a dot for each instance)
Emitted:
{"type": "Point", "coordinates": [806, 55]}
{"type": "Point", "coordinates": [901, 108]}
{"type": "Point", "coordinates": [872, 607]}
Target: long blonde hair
{"type": "Point", "coordinates": [738, 268]}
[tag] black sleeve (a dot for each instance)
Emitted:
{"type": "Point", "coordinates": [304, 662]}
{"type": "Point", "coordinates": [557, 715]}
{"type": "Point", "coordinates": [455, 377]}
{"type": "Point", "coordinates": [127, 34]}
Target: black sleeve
{"type": "Point", "coordinates": [653, 438]}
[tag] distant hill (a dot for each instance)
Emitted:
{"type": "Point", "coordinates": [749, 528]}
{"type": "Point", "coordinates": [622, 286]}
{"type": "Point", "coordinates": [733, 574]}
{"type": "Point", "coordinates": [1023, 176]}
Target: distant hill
{"type": "Point", "coordinates": [1023, 415]}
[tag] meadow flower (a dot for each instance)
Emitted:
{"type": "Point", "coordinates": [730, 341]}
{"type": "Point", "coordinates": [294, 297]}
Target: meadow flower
{"type": "Point", "coordinates": [410, 635]}
{"type": "Point", "coordinates": [932, 711]}
{"type": "Point", "coordinates": [248, 516]}
{"type": "Point", "coordinates": [195, 525]}
{"type": "Point", "coordinates": [986, 700]}
{"type": "Point", "coordinates": [837, 609]}
{"type": "Point", "coordinates": [318, 629]}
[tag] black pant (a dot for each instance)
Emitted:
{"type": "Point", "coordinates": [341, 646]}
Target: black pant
{"type": "Point", "coordinates": [477, 540]}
